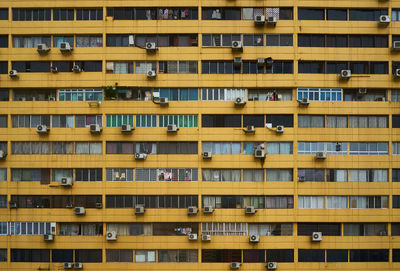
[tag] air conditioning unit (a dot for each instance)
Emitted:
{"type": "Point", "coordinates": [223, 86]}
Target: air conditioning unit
{"type": "Point", "coordinates": [254, 238]}
{"type": "Point", "coordinates": [192, 210]}
{"type": "Point", "coordinates": [250, 129]}
{"type": "Point", "coordinates": [259, 153]}
{"type": "Point", "coordinates": [171, 128]}
{"type": "Point", "coordinates": [95, 129]}
{"type": "Point", "coordinates": [301, 178]}
{"type": "Point", "coordinates": [271, 265]}
{"type": "Point", "coordinates": [151, 47]}
{"type": "Point", "coordinates": [384, 19]}
{"type": "Point", "coordinates": [396, 46]}
{"type": "Point", "coordinates": [205, 237]}
{"type": "Point", "coordinates": [65, 47]}
{"type": "Point", "coordinates": [320, 155]}
{"type": "Point", "coordinates": [259, 19]}
{"type": "Point", "coordinates": [13, 205]}
{"type": "Point", "coordinates": [140, 156]}
{"type": "Point", "coordinates": [316, 237]}
{"type": "Point", "coordinates": [164, 101]}
{"type": "Point", "coordinates": [192, 237]}
{"type": "Point", "coordinates": [303, 102]}
{"type": "Point", "coordinates": [237, 62]}
{"type": "Point", "coordinates": [131, 40]}
{"type": "Point", "coordinates": [260, 62]}
{"type": "Point", "coordinates": [139, 210]}
{"type": "Point", "coordinates": [2, 154]}
{"type": "Point", "coordinates": [207, 155]}
{"type": "Point", "coordinates": [68, 265]}
{"type": "Point", "coordinates": [345, 74]}
{"type": "Point", "coordinates": [239, 101]}
{"type": "Point", "coordinates": [235, 265]}
{"type": "Point", "coordinates": [54, 69]}
{"type": "Point", "coordinates": [80, 211]}
{"type": "Point", "coordinates": [271, 20]}
{"type": "Point", "coordinates": [208, 209]}
{"type": "Point", "coordinates": [99, 205]}
{"type": "Point", "coordinates": [78, 265]}
{"type": "Point", "coordinates": [237, 45]}
{"type": "Point", "coordinates": [66, 181]}
{"type": "Point", "coordinates": [42, 48]}
{"type": "Point", "coordinates": [42, 129]}
{"type": "Point", "coordinates": [397, 73]}
{"type": "Point", "coordinates": [269, 61]}
{"type": "Point", "coordinates": [380, 99]}
{"type": "Point", "coordinates": [111, 236]}
{"type": "Point", "coordinates": [126, 128]}
{"type": "Point", "coordinates": [362, 91]}
{"type": "Point", "coordinates": [110, 66]}
{"type": "Point", "coordinates": [76, 69]}
{"type": "Point", "coordinates": [48, 237]}
{"type": "Point", "coordinates": [280, 129]}
{"type": "Point", "coordinates": [250, 210]}
{"type": "Point", "coordinates": [13, 74]}
{"type": "Point", "coordinates": [151, 74]}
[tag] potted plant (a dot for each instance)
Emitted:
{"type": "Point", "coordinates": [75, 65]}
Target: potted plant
{"type": "Point", "coordinates": [111, 92]}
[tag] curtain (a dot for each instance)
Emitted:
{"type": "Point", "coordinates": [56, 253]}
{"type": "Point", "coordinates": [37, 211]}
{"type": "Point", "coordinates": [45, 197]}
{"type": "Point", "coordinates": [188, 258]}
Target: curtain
{"type": "Point", "coordinates": [379, 175]}
{"type": "Point", "coordinates": [358, 202]}
{"type": "Point", "coordinates": [247, 13]}
{"type": "Point", "coordinates": [285, 148]}
{"type": "Point", "coordinates": [336, 202]}
{"type": "Point", "coordinates": [272, 148]}
{"type": "Point", "coordinates": [353, 122]}
{"type": "Point", "coordinates": [3, 174]}
{"type": "Point", "coordinates": [311, 202]}
{"type": "Point", "coordinates": [341, 175]}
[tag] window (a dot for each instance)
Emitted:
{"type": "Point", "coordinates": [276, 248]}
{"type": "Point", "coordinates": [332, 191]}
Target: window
{"type": "Point", "coordinates": [89, 175]}
{"type": "Point", "coordinates": [3, 252]}
{"type": "Point", "coordinates": [369, 255]}
{"type": "Point", "coordinates": [62, 121]}
{"type": "Point", "coordinates": [271, 229]}
{"type": "Point", "coordinates": [279, 147]}
{"type": "Point", "coordinates": [336, 121]}
{"type": "Point", "coordinates": [31, 228]}
{"type": "Point", "coordinates": [119, 147]}
{"type": "Point", "coordinates": [81, 229]}
{"type": "Point", "coordinates": [368, 148]}
{"type": "Point", "coordinates": [58, 174]}
{"type": "Point", "coordinates": [3, 174]}
{"type": "Point", "coordinates": [368, 122]}
{"type": "Point", "coordinates": [88, 255]}
{"type": "Point", "coordinates": [366, 14]}
{"type": "Point", "coordinates": [311, 202]}
{"type": "Point", "coordinates": [369, 202]}
{"type": "Point", "coordinates": [311, 14]}
{"type": "Point", "coordinates": [29, 14]}
{"type": "Point", "coordinates": [142, 67]}
{"type": "Point", "coordinates": [30, 175]}
{"type": "Point", "coordinates": [178, 174]}
{"type": "Point", "coordinates": [283, 13]}
{"type": "Point", "coordinates": [130, 229]}
{"type": "Point", "coordinates": [3, 201]}
{"type": "Point", "coordinates": [280, 255]}
{"type": "Point", "coordinates": [218, 67]}
{"type": "Point", "coordinates": [31, 66]}
{"type": "Point", "coordinates": [311, 255]}
{"type": "Point", "coordinates": [3, 228]}
{"type": "Point", "coordinates": [84, 121]}
{"type": "Point", "coordinates": [63, 14]}
{"type": "Point", "coordinates": [395, 229]}
{"type": "Point", "coordinates": [169, 147]}
{"type": "Point", "coordinates": [4, 14]}
{"type": "Point", "coordinates": [225, 13]}
{"type": "Point", "coordinates": [130, 13]}
{"type": "Point", "coordinates": [4, 93]}
{"type": "Point", "coordinates": [327, 229]}
{"type": "Point", "coordinates": [146, 175]}
{"type": "Point", "coordinates": [146, 121]}
{"type": "Point", "coordinates": [275, 120]}
{"type": "Point", "coordinates": [317, 94]}
{"type": "Point", "coordinates": [221, 255]}
{"type": "Point", "coordinates": [80, 95]}
{"type": "Point", "coordinates": [337, 255]}
{"type": "Point", "coordinates": [119, 120]}
{"type": "Point", "coordinates": [146, 147]}
{"type": "Point", "coordinates": [336, 202]}
{"type": "Point", "coordinates": [57, 40]}
{"type": "Point", "coordinates": [365, 229]}
{"type": "Point", "coordinates": [90, 66]}
{"type": "Point", "coordinates": [395, 175]}
{"type": "Point", "coordinates": [279, 175]}
{"type": "Point", "coordinates": [30, 147]}
{"type": "Point", "coordinates": [253, 40]}
{"type": "Point", "coordinates": [336, 14]}
{"type": "Point", "coordinates": [253, 175]}
{"type": "Point", "coordinates": [222, 147]}
{"type": "Point", "coordinates": [119, 255]}
{"type": "Point", "coordinates": [187, 121]}
{"type": "Point", "coordinates": [63, 147]}
{"type": "Point", "coordinates": [120, 67]}
{"type": "Point", "coordinates": [396, 201]}
{"type": "Point", "coordinates": [178, 66]}
{"type": "Point", "coordinates": [145, 256]}
{"type": "Point", "coordinates": [30, 255]}
{"type": "Point", "coordinates": [368, 175]}
{"type": "Point", "coordinates": [89, 41]}
{"type": "Point", "coordinates": [118, 40]}
{"type": "Point", "coordinates": [279, 67]}
{"type": "Point", "coordinates": [221, 94]}
{"type": "Point", "coordinates": [308, 40]}
{"type": "Point", "coordinates": [270, 95]}
{"type": "Point", "coordinates": [89, 14]}
{"type": "Point", "coordinates": [221, 121]}
{"type": "Point", "coordinates": [177, 94]}
{"type": "Point", "coordinates": [311, 121]}
{"type": "Point", "coordinates": [29, 121]}
{"type": "Point", "coordinates": [254, 120]}
{"type": "Point", "coordinates": [88, 148]}
{"type": "Point", "coordinates": [175, 229]}
{"type": "Point", "coordinates": [30, 41]}
{"type": "Point", "coordinates": [222, 40]}
{"type": "Point", "coordinates": [221, 175]}
{"type": "Point", "coordinates": [224, 228]}
{"type": "Point", "coordinates": [311, 175]}
{"type": "Point", "coordinates": [177, 256]}
{"type": "Point", "coordinates": [4, 147]}
{"type": "Point", "coordinates": [34, 94]}
{"type": "Point", "coordinates": [62, 255]}
{"type": "Point", "coordinates": [395, 121]}
{"type": "Point", "coordinates": [3, 121]}
{"type": "Point", "coordinates": [119, 174]}
{"type": "Point", "coordinates": [170, 201]}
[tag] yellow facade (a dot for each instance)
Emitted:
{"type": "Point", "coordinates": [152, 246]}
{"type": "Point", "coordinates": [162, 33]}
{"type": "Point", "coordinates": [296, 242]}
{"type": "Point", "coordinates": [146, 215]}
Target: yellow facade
{"type": "Point", "coordinates": [164, 80]}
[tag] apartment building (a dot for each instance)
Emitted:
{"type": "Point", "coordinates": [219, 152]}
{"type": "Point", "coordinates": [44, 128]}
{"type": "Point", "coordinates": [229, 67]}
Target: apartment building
{"type": "Point", "coordinates": [199, 135]}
